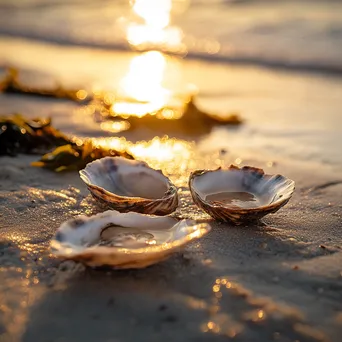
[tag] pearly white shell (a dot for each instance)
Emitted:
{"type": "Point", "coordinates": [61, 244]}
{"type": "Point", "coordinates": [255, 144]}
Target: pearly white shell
{"type": "Point", "coordinates": [130, 185]}
{"type": "Point", "coordinates": [137, 240]}
{"type": "Point", "coordinates": [269, 192]}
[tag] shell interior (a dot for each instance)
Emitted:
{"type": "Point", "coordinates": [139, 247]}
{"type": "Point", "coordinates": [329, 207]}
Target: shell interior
{"type": "Point", "coordinates": [123, 240]}
{"type": "Point", "coordinates": [126, 178]}
{"type": "Point", "coordinates": [236, 188]}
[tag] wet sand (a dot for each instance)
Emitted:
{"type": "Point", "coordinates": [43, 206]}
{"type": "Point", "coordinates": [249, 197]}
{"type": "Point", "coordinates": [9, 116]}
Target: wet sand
{"type": "Point", "coordinates": [279, 280]}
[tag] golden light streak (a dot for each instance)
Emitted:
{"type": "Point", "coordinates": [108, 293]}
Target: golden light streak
{"type": "Point", "coordinates": [142, 87]}
{"type": "Point", "coordinates": [153, 26]}
{"type": "Point", "coordinates": [156, 150]}
{"type": "Point", "coordinates": [115, 127]}
{"type": "Point", "coordinates": [156, 13]}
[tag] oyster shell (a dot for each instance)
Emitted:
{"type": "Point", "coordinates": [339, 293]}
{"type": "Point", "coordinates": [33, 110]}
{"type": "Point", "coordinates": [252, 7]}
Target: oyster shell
{"type": "Point", "coordinates": [239, 195]}
{"type": "Point", "coordinates": [123, 240]}
{"type": "Point", "coordinates": [130, 185]}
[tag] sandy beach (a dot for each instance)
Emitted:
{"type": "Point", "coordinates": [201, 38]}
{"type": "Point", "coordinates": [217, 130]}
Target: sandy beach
{"type": "Point", "coordinates": [278, 280]}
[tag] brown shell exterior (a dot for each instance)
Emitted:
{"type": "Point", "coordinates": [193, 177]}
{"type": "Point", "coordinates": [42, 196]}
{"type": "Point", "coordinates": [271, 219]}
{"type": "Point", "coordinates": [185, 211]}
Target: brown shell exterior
{"type": "Point", "coordinates": [236, 216]}
{"type": "Point", "coordinates": [93, 259]}
{"type": "Point", "coordinates": [163, 206]}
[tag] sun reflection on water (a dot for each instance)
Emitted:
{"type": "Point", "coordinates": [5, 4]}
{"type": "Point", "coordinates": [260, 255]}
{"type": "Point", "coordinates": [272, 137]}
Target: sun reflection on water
{"type": "Point", "coordinates": [115, 127]}
{"type": "Point", "coordinates": [156, 13]}
{"type": "Point", "coordinates": [154, 85]}
{"type": "Point", "coordinates": [152, 25]}
{"type": "Point", "coordinates": [162, 150]}
{"type": "Point", "coordinates": [156, 151]}
{"type": "Point", "coordinates": [142, 87]}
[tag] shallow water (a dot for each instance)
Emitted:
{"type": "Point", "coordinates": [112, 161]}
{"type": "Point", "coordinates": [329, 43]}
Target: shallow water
{"type": "Point", "coordinates": [288, 116]}
{"type": "Point", "coordinates": [305, 34]}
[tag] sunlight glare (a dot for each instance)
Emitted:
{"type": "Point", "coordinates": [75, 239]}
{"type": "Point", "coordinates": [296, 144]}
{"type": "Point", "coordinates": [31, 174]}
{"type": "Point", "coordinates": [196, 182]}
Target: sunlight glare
{"type": "Point", "coordinates": [142, 87]}
{"type": "Point", "coordinates": [156, 13]}
{"type": "Point", "coordinates": [115, 127]}
{"type": "Point", "coordinates": [158, 149]}
{"type": "Point", "coordinates": [155, 28]}
{"type": "Point", "coordinates": [161, 149]}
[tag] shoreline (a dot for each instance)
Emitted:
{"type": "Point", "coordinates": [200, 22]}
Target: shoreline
{"type": "Point", "coordinates": [240, 61]}
{"type": "Point", "coordinates": [279, 280]}
{"type": "Point", "coordinates": [290, 114]}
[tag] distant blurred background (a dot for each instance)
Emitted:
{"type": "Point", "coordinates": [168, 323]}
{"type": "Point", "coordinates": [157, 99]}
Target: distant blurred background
{"type": "Point", "coordinates": [276, 64]}
{"type": "Point", "coordinates": [300, 33]}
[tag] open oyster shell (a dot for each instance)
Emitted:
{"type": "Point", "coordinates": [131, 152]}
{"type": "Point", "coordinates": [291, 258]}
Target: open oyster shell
{"type": "Point", "coordinates": [123, 240]}
{"type": "Point", "coordinates": [130, 185]}
{"type": "Point", "coordinates": [239, 195]}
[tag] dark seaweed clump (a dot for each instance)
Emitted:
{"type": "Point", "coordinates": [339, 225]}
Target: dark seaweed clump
{"type": "Point", "coordinates": [76, 157]}
{"type": "Point", "coordinates": [38, 136]}
{"type": "Point", "coordinates": [20, 135]}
